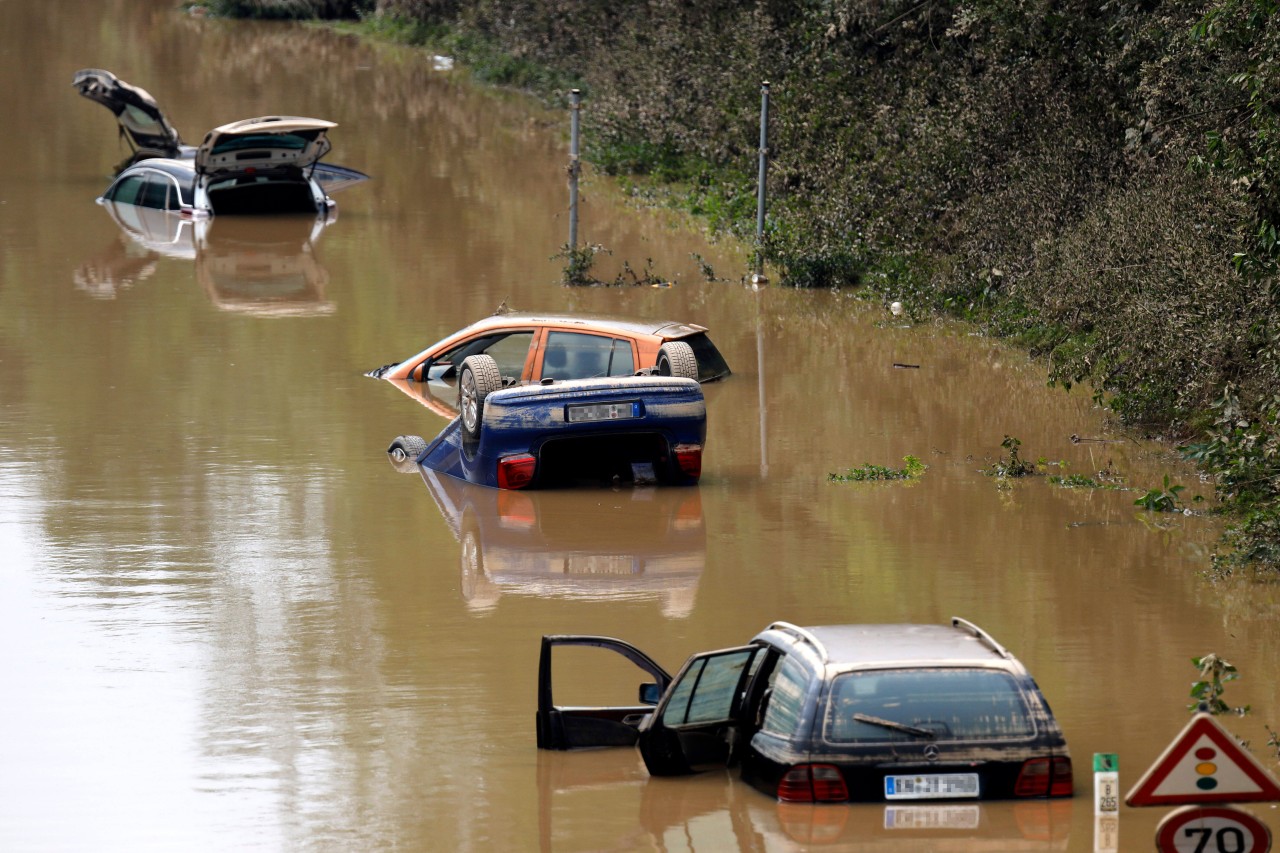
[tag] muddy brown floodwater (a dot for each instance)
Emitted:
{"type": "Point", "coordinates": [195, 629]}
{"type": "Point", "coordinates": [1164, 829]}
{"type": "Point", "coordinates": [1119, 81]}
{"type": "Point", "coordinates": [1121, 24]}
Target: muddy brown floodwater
{"type": "Point", "coordinates": [228, 623]}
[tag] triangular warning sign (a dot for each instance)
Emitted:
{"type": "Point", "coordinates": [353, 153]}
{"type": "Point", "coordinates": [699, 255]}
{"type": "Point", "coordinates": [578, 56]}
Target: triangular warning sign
{"type": "Point", "coordinates": [1204, 764]}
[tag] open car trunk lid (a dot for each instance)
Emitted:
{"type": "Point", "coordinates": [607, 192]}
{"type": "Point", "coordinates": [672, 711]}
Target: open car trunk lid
{"type": "Point", "coordinates": [263, 143]}
{"type": "Point", "coordinates": [140, 117]}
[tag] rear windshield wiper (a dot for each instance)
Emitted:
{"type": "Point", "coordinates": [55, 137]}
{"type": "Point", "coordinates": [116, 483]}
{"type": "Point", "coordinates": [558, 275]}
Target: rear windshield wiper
{"type": "Point", "coordinates": [897, 727]}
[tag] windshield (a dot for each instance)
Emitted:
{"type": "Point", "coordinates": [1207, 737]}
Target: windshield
{"type": "Point", "coordinates": [910, 704]}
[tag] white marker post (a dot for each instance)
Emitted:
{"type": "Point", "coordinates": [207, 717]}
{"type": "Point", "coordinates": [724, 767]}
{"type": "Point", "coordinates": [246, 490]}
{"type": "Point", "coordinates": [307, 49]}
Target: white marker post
{"type": "Point", "coordinates": [1106, 802]}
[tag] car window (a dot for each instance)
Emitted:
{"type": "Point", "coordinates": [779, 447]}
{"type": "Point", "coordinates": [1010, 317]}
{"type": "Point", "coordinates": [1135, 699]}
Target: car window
{"type": "Point", "coordinates": [573, 355]}
{"type": "Point", "coordinates": [706, 691]}
{"type": "Point", "coordinates": [126, 190]}
{"type": "Point", "coordinates": [951, 703]}
{"type": "Point", "coordinates": [510, 352]}
{"type": "Point", "coordinates": [288, 141]}
{"type": "Point", "coordinates": [786, 698]}
{"type": "Point", "coordinates": [155, 192]}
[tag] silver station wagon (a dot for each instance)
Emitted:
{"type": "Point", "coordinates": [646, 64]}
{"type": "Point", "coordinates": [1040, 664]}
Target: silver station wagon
{"type": "Point", "coordinates": [269, 164]}
{"type": "Point", "coordinates": [861, 713]}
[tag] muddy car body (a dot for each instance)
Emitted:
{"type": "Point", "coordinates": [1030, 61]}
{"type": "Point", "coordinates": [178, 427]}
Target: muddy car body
{"type": "Point", "coordinates": [861, 713]}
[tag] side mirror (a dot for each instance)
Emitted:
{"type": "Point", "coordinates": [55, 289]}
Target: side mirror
{"type": "Point", "coordinates": [650, 693]}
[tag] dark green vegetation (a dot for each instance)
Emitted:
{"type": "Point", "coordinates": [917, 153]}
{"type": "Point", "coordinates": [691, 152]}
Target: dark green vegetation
{"type": "Point", "coordinates": [1013, 465]}
{"type": "Point", "coordinates": [1206, 695]}
{"type": "Point", "coordinates": [912, 468]}
{"type": "Point", "coordinates": [1096, 180]}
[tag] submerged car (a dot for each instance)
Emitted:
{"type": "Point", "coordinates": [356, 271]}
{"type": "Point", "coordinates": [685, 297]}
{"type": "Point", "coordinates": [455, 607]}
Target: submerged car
{"type": "Point", "coordinates": [845, 713]}
{"type": "Point", "coordinates": [632, 429]}
{"type": "Point", "coordinates": [268, 164]}
{"type": "Point", "coordinates": [530, 348]}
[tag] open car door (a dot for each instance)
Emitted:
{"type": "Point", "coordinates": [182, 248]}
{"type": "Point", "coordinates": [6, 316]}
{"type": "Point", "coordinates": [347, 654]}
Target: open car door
{"type": "Point", "coordinates": [574, 727]}
{"type": "Point", "coordinates": [701, 715]}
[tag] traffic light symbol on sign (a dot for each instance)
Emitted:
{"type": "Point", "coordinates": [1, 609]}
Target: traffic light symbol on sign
{"type": "Point", "coordinates": [1206, 768]}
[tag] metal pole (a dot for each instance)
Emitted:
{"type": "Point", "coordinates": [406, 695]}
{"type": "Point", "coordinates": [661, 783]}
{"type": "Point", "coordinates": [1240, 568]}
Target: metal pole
{"type": "Point", "coordinates": [764, 432]}
{"type": "Point", "coordinates": [575, 167]}
{"type": "Point", "coordinates": [760, 190]}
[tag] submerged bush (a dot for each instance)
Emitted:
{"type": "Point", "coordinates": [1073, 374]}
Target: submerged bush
{"type": "Point", "coordinates": [287, 9]}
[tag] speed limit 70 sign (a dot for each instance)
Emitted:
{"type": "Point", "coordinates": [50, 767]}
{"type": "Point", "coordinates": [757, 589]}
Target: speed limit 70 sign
{"type": "Point", "coordinates": [1212, 829]}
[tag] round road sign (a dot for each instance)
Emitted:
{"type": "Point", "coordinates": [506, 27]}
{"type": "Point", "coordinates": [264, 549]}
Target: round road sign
{"type": "Point", "coordinates": [1212, 829]}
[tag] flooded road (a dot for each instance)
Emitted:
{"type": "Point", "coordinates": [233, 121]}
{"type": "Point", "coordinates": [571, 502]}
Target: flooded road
{"type": "Point", "coordinates": [228, 623]}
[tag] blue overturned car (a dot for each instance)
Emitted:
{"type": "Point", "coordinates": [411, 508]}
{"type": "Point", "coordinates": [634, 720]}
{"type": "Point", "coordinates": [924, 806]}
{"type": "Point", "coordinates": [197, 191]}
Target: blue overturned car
{"type": "Point", "coordinates": [645, 429]}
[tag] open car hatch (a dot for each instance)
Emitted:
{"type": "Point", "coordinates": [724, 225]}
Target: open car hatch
{"type": "Point", "coordinates": [263, 143]}
{"type": "Point", "coordinates": [141, 120]}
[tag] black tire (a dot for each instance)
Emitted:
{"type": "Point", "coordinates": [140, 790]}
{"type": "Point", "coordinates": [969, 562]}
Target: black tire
{"type": "Point", "coordinates": [477, 379]}
{"type": "Point", "coordinates": [676, 358]}
{"type": "Point", "coordinates": [404, 452]}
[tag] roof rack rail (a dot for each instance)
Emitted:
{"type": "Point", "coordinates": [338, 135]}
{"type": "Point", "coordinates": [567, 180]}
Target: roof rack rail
{"type": "Point", "coordinates": [804, 635]}
{"type": "Point", "coordinates": [983, 637]}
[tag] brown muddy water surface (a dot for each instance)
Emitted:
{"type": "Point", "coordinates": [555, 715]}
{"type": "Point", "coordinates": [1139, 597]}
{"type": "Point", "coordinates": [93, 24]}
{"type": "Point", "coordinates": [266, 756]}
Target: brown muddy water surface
{"type": "Point", "coordinates": [228, 623]}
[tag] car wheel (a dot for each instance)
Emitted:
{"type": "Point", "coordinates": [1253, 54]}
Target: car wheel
{"type": "Point", "coordinates": [478, 378]}
{"type": "Point", "coordinates": [676, 358]}
{"type": "Point", "coordinates": [404, 452]}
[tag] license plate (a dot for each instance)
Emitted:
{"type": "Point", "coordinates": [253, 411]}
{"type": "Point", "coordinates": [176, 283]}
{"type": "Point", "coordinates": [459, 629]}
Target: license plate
{"type": "Point", "coordinates": [931, 786]}
{"type": "Point", "coordinates": [603, 412]}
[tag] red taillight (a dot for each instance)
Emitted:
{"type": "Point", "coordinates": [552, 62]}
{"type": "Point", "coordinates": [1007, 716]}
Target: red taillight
{"type": "Point", "coordinates": [1063, 783]}
{"type": "Point", "coordinates": [812, 783]}
{"type": "Point", "coordinates": [516, 472]}
{"type": "Point", "coordinates": [1045, 777]}
{"type": "Point", "coordinates": [689, 458]}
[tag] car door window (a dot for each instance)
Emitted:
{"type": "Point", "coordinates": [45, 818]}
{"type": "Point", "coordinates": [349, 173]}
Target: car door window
{"type": "Point", "coordinates": [509, 350]}
{"type": "Point", "coordinates": [786, 698]}
{"type": "Point", "coordinates": [155, 192]}
{"type": "Point", "coordinates": [126, 190]}
{"type": "Point", "coordinates": [510, 353]}
{"type": "Point", "coordinates": [709, 689]}
{"type": "Point", "coordinates": [574, 355]}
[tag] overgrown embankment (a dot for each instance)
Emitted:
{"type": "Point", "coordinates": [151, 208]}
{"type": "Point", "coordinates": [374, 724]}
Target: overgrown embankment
{"type": "Point", "coordinates": [1098, 179]}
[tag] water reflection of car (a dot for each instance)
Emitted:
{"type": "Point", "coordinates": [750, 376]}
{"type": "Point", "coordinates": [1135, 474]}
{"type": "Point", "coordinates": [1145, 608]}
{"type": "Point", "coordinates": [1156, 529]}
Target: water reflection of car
{"type": "Point", "coordinates": [904, 714]}
{"type": "Point", "coordinates": [638, 430]}
{"type": "Point", "coordinates": [266, 267]}
{"type": "Point", "coordinates": [268, 164]}
{"type": "Point", "coordinates": [530, 348]}
{"type": "Point", "coordinates": [636, 544]}
{"type": "Point", "coordinates": [728, 815]}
